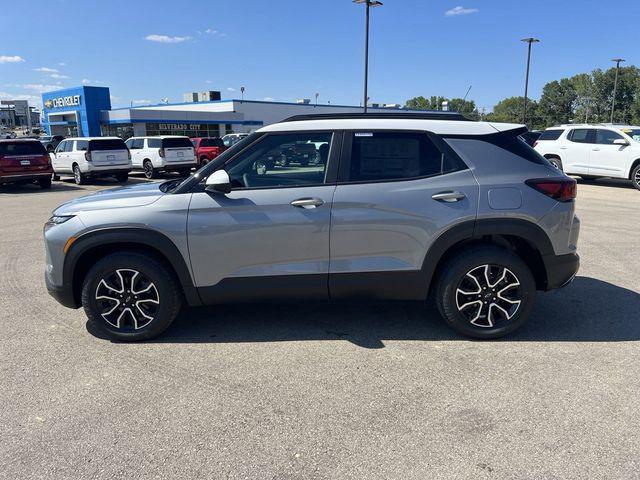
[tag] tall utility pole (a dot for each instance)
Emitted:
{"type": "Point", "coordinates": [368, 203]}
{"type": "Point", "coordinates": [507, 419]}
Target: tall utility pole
{"type": "Point", "coordinates": [615, 85]}
{"type": "Point", "coordinates": [369, 4]}
{"type": "Point", "coordinates": [529, 40]}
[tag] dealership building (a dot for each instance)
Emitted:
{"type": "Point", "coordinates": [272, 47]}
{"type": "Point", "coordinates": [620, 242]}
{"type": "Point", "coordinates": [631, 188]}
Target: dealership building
{"type": "Point", "coordinates": [86, 111]}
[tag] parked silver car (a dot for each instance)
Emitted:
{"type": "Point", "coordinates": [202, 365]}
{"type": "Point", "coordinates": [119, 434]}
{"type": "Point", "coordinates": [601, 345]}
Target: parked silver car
{"type": "Point", "coordinates": [404, 205]}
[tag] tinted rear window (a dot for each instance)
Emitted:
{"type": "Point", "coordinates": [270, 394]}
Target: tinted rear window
{"type": "Point", "coordinates": [550, 135]}
{"type": "Point", "coordinates": [514, 145]}
{"type": "Point", "coordinates": [176, 143]}
{"type": "Point", "coordinates": [107, 144]}
{"type": "Point", "coordinates": [211, 142]}
{"type": "Point", "coordinates": [22, 148]}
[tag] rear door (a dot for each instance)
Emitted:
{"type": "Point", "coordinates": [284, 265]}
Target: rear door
{"type": "Point", "coordinates": [22, 157]}
{"type": "Point", "coordinates": [108, 152]}
{"type": "Point", "coordinates": [576, 150]}
{"type": "Point", "coordinates": [609, 159]}
{"type": "Point", "coordinates": [397, 191]}
{"type": "Point", "coordinates": [178, 150]}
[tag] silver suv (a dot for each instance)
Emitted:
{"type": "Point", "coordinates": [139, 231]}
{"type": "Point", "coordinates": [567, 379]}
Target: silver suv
{"type": "Point", "coordinates": [397, 206]}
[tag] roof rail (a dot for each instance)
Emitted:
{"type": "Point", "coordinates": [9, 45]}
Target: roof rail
{"type": "Point", "coordinates": [435, 115]}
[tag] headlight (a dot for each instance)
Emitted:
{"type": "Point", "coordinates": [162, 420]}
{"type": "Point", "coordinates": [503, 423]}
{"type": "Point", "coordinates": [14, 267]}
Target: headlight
{"type": "Point", "coordinates": [57, 220]}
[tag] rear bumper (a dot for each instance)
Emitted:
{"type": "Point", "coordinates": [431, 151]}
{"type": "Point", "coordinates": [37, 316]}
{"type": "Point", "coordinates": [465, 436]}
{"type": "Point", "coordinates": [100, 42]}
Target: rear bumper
{"type": "Point", "coordinates": [561, 269]}
{"type": "Point", "coordinates": [169, 166]}
{"type": "Point", "coordinates": [25, 177]}
{"type": "Point", "coordinates": [97, 172]}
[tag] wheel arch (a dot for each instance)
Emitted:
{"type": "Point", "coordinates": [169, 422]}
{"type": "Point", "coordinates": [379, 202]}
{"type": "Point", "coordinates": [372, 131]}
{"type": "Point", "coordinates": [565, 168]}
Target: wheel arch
{"type": "Point", "coordinates": [92, 246]}
{"type": "Point", "coordinates": [523, 237]}
{"type": "Point", "coordinates": [634, 164]}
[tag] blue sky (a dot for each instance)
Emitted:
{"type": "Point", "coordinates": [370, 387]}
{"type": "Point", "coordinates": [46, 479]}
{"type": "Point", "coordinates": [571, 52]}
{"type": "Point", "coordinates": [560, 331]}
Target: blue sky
{"type": "Point", "coordinates": [287, 49]}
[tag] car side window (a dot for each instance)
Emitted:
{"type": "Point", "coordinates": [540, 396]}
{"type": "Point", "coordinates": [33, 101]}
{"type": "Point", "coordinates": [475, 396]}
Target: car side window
{"type": "Point", "coordinates": [61, 146]}
{"type": "Point", "coordinates": [138, 144]}
{"type": "Point", "coordinates": [69, 146]}
{"type": "Point", "coordinates": [607, 137]}
{"type": "Point", "coordinates": [154, 143]}
{"type": "Point", "coordinates": [129, 143]}
{"type": "Point", "coordinates": [383, 156]}
{"type": "Point", "coordinates": [82, 145]}
{"type": "Point", "coordinates": [282, 160]}
{"type": "Point", "coordinates": [581, 135]}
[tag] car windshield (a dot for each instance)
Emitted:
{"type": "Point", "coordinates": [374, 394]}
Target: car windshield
{"type": "Point", "coordinates": [634, 133]}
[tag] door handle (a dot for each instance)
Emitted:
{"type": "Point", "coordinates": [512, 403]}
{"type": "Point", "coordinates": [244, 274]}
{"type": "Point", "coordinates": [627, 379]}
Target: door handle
{"type": "Point", "coordinates": [596, 149]}
{"type": "Point", "coordinates": [563, 148]}
{"type": "Point", "coordinates": [307, 203]}
{"type": "Point", "coordinates": [448, 197]}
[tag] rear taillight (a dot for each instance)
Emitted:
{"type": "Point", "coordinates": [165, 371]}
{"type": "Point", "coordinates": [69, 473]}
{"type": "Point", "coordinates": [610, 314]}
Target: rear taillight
{"type": "Point", "coordinates": [561, 189]}
{"type": "Point", "coordinates": [161, 152]}
{"type": "Point", "coordinates": [87, 156]}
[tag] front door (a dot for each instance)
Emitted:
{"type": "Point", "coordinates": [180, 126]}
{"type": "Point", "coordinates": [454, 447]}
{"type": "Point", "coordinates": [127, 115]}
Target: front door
{"type": "Point", "coordinates": [269, 237]}
{"type": "Point", "coordinates": [396, 192]}
{"type": "Point", "coordinates": [607, 158]}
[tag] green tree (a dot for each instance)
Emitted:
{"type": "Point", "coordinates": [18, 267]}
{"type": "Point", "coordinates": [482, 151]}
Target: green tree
{"type": "Point", "coordinates": [557, 103]}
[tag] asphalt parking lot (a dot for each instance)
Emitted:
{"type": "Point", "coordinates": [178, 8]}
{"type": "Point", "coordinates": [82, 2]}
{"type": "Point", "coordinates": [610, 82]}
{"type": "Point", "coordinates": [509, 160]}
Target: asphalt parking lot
{"type": "Point", "coordinates": [316, 391]}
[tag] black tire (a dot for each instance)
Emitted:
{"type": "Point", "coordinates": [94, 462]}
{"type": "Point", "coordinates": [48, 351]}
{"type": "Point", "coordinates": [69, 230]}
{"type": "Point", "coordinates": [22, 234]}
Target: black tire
{"type": "Point", "coordinates": [167, 291]}
{"type": "Point", "coordinates": [45, 183]}
{"type": "Point", "coordinates": [556, 162]}
{"type": "Point", "coordinates": [635, 176]}
{"type": "Point", "coordinates": [122, 177]}
{"type": "Point", "coordinates": [185, 172]}
{"type": "Point", "coordinates": [204, 161]}
{"type": "Point", "coordinates": [55, 177]}
{"type": "Point", "coordinates": [79, 177]}
{"type": "Point", "coordinates": [455, 279]}
{"type": "Point", "coordinates": [149, 171]}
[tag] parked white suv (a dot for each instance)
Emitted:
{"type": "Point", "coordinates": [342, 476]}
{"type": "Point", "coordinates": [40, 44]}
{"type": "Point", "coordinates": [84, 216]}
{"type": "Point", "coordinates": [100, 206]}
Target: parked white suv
{"type": "Point", "coordinates": [162, 154]}
{"type": "Point", "coordinates": [594, 151]}
{"type": "Point", "coordinates": [90, 157]}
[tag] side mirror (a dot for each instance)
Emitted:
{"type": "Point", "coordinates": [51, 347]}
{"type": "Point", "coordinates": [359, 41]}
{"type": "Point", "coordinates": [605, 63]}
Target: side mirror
{"type": "Point", "coordinates": [620, 141]}
{"type": "Point", "coordinates": [218, 181]}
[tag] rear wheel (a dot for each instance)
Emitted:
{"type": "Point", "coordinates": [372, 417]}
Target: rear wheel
{"type": "Point", "coordinates": [635, 176]}
{"type": "Point", "coordinates": [556, 162]}
{"type": "Point", "coordinates": [45, 183]}
{"type": "Point", "coordinates": [122, 177]}
{"type": "Point", "coordinates": [149, 171]}
{"type": "Point", "coordinates": [79, 177]}
{"type": "Point", "coordinates": [485, 292]}
{"type": "Point", "coordinates": [130, 296]}
{"type": "Point", "coordinates": [204, 161]}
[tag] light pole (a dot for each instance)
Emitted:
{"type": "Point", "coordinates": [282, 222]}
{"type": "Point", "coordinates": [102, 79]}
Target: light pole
{"type": "Point", "coordinates": [615, 85]}
{"type": "Point", "coordinates": [317, 95]}
{"type": "Point", "coordinates": [529, 40]}
{"type": "Point", "coordinates": [242, 94]}
{"type": "Point", "coordinates": [369, 4]}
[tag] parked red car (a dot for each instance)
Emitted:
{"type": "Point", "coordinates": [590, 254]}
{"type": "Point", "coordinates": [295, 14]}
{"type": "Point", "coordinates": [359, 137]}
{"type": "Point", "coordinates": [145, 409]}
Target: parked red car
{"type": "Point", "coordinates": [207, 149]}
{"type": "Point", "coordinates": [24, 161]}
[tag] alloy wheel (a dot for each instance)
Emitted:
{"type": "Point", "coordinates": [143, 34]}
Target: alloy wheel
{"type": "Point", "coordinates": [148, 170]}
{"type": "Point", "coordinates": [488, 296]}
{"type": "Point", "coordinates": [127, 299]}
{"type": "Point", "coordinates": [636, 178]}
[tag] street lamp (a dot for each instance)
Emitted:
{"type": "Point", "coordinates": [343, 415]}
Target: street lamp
{"type": "Point", "coordinates": [529, 40]}
{"type": "Point", "coordinates": [317, 95]}
{"type": "Point", "coordinates": [369, 4]}
{"type": "Point", "coordinates": [615, 84]}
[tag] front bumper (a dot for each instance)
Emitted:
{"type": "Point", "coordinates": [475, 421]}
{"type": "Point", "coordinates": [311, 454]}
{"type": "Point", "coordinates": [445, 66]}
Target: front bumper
{"type": "Point", "coordinates": [63, 294]}
{"type": "Point", "coordinates": [561, 269]}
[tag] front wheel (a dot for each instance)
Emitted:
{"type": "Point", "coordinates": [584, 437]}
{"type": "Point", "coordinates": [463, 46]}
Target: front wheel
{"type": "Point", "coordinates": [130, 296]}
{"type": "Point", "coordinates": [485, 292]}
{"type": "Point", "coordinates": [635, 176]}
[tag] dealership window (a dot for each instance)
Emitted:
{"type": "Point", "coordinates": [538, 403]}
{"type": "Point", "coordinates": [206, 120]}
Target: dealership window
{"type": "Point", "coordinates": [122, 130]}
{"type": "Point", "coordinates": [191, 130]}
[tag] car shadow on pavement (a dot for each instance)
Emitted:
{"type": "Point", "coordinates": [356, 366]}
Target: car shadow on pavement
{"type": "Point", "coordinates": [608, 182]}
{"type": "Point", "coordinates": [589, 310]}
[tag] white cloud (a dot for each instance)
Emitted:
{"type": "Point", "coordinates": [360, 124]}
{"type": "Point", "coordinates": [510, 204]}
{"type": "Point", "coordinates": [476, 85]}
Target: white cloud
{"type": "Point", "coordinates": [268, 99]}
{"type": "Point", "coordinates": [57, 76]}
{"type": "Point", "coordinates": [87, 81]}
{"type": "Point", "coordinates": [210, 31]}
{"type": "Point", "coordinates": [11, 59]}
{"type": "Point", "coordinates": [33, 99]}
{"type": "Point", "coordinates": [62, 64]}
{"type": "Point", "coordinates": [38, 87]}
{"type": "Point", "coordinates": [231, 89]}
{"type": "Point", "coordinates": [208, 81]}
{"type": "Point", "coordinates": [141, 102]}
{"type": "Point", "coordinates": [46, 70]}
{"type": "Point", "coordinates": [460, 11]}
{"type": "Point", "coordinates": [165, 38]}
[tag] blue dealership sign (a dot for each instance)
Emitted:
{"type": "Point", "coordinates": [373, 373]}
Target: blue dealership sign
{"type": "Point", "coordinates": [76, 108]}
